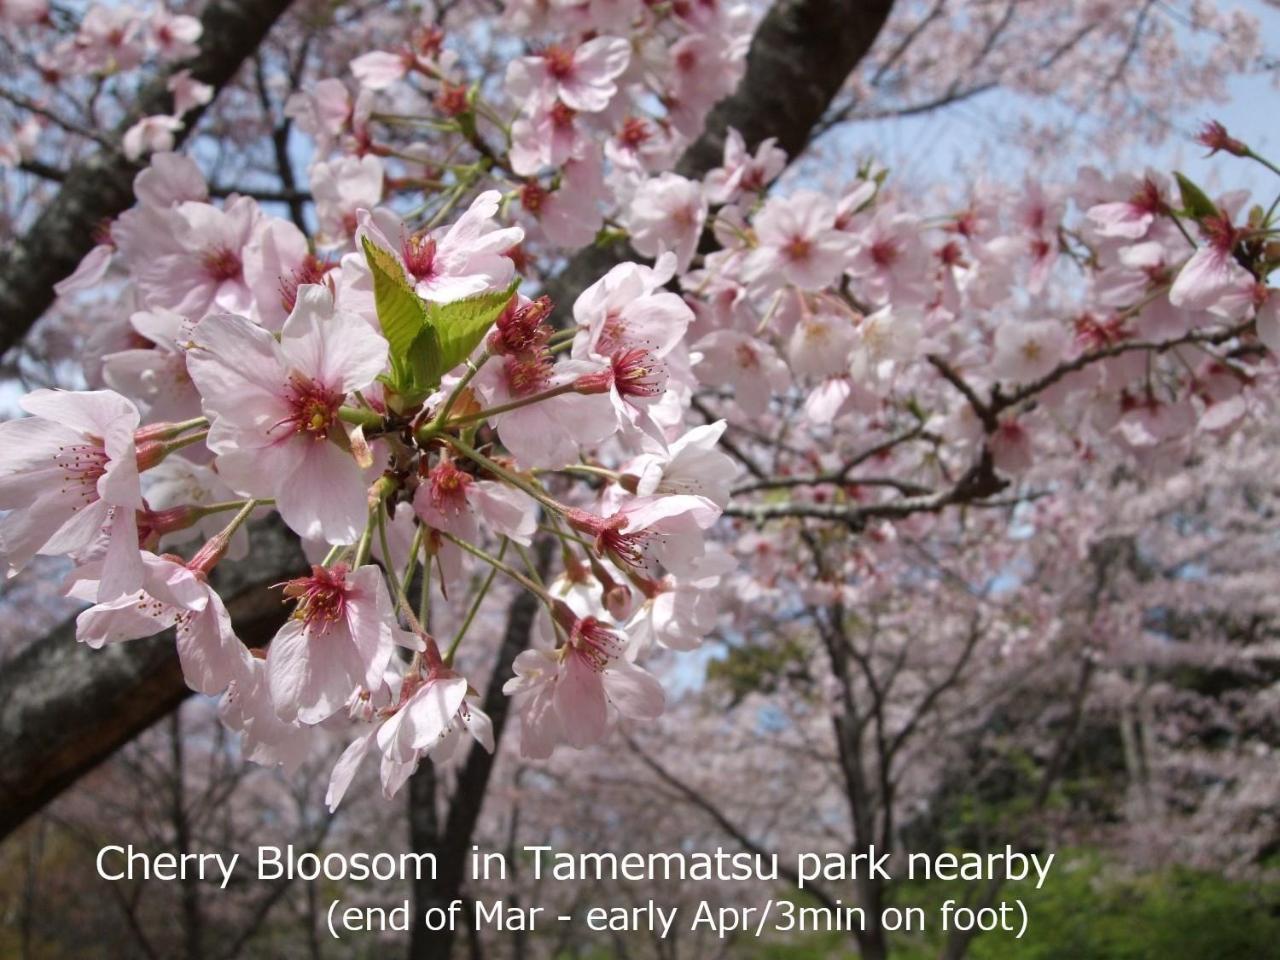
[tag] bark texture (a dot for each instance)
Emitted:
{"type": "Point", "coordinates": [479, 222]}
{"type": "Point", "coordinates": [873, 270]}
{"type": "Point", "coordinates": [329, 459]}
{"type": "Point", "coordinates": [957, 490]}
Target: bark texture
{"type": "Point", "coordinates": [101, 186]}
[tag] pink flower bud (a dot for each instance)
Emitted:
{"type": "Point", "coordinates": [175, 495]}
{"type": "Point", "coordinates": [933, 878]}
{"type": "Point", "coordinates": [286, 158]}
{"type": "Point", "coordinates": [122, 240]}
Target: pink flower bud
{"type": "Point", "coordinates": [1214, 136]}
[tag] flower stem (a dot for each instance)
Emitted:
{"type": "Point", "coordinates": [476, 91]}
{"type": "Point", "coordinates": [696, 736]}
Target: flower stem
{"type": "Point", "coordinates": [361, 417]}
{"type": "Point", "coordinates": [497, 564]}
{"type": "Point", "coordinates": [507, 475]}
{"type": "Point", "coordinates": [397, 590]}
{"type": "Point", "coordinates": [365, 545]}
{"type": "Point", "coordinates": [475, 607]}
{"type": "Point", "coordinates": [424, 592]}
{"type": "Point", "coordinates": [512, 405]}
{"type": "Point", "coordinates": [472, 369]}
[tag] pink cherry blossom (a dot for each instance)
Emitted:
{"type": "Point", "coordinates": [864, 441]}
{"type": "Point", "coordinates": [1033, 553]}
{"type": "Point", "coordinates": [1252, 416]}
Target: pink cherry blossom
{"type": "Point", "coordinates": [582, 79]}
{"type": "Point", "coordinates": [547, 135]}
{"type": "Point", "coordinates": [570, 216]}
{"type": "Point", "coordinates": [69, 472]}
{"type": "Point", "coordinates": [150, 135]}
{"type": "Point", "coordinates": [1026, 351]}
{"type": "Point", "coordinates": [678, 612]}
{"type": "Point", "coordinates": [274, 409]}
{"type": "Point", "coordinates": [174, 36]}
{"type": "Point", "coordinates": [667, 213]}
{"type": "Point", "coordinates": [188, 92]}
{"type": "Point", "coordinates": [549, 433]}
{"type": "Point", "coordinates": [157, 374]}
{"type": "Point", "coordinates": [569, 694]}
{"type": "Point", "coordinates": [171, 595]}
{"type": "Point", "coordinates": [247, 708]}
{"type": "Point", "coordinates": [1268, 322]}
{"type": "Point", "coordinates": [887, 340]}
{"type": "Point", "coordinates": [457, 503]}
{"type": "Point", "coordinates": [277, 264]}
{"type": "Point", "coordinates": [667, 529]}
{"type": "Point", "coordinates": [890, 261]}
{"type": "Point", "coordinates": [798, 243]}
{"type": "Point", "coordinates": [23, 13]}
{"type": "Point", "coordinates": [380, 69]}
{"type": "Point", "coordinates": [342, 189]}
{"type": "Point", "coordinates": [342, 636]}
{"type": "Point", "coordinates": [424, 717]}
{"type": "Point", "coordinates": [190, 258]}
{"type": "Point", "coordinates": [1131, 219]}
{"type": "Point", "coordinates": [691, 464]}
{"type": "Point", "coordinates": [751, 366]}
{"type": "Point", "coordinates": [821, 343]}
{"type": "Point", "coordinates": [627, 308]}
{"type": "Point", "coordinates": [744, 172]}
{"type": "Point", "coordinates": [1212, 279]}
{"type": "Point", "coordinates": [455, 262]}
{"type": "Point", "coordinates": [322, 111]}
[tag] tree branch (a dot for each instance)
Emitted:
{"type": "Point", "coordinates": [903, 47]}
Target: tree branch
{"type": "Point", "coordinates": [101, 186]}
{"type": "Point", "coordinates": [64, 708]}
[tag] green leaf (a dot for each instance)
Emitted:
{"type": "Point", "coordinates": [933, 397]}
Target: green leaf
{"type": "Point", "coordinates": [423, 377]}
{"type": "Point", "coordinates": [458, 328]}
{"type": "Point", "coordinates": [401, 312]}
{"type": "Point", "coordinates": [1194, 200]}
{"type": "Point", "coordinates": [426, 340]}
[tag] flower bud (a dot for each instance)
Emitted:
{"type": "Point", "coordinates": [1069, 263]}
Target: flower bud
{"type": "Point", "coordinates": [207, 557]}
{"type": "Point", "coordinates": [157, 523]}
{"type": "Point", "coordinates": [1214, 136]}
{"type": "Point", "coordinates": [451, 100]}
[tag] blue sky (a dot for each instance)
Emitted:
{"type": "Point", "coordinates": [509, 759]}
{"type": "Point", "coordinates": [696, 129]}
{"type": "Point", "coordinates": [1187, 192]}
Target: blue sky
{"type": "Point", "coordinates": [971, 134]}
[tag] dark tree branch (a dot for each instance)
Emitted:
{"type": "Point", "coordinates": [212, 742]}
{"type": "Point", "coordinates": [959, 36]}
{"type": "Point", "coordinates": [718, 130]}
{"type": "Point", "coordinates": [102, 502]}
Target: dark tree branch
{"type": "Point", "coordinates": [101, 186]}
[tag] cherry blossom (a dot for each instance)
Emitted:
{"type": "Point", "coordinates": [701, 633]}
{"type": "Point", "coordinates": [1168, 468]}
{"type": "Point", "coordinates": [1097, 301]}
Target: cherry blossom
{"type": "Point", "coordinates": [569, 695]}
{"type": "Point", "coordinates": [668, 213]}
{"type": "Point", "coordinates": [581, 79]}
{"type": "Point", "coordinates": [69, 474]}
{"type": "Point", "coordinates": [171, 595]}
{"type": "Point", "coordinates": [275, 409]}
{"type": "Point", "coordinates": [341, 636]}
{"type": "Point", "coordinates": [798, 243]}
{"type": "Point", "coordinates": [466, 259]}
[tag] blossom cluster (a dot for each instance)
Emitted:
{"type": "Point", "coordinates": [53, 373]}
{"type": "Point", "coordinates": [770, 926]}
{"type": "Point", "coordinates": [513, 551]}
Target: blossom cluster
{"type": "Point", "coordinates": [382, 385]}
{"type": "Point", "coordinates": [608, 94]}
{"type": "Point", "coordinates": [256, 375]}
{"type": "Point", "coordinates": [110, 44]}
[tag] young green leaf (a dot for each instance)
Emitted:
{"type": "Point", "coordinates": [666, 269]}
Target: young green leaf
{"type": "Point", "coordinates": [459, 327]}
{"type": "Point", "coordinates": [422, 376]}
{"type": "Point", "coordinates": [1194, 200]}
{"type": "Point", "coordinates": [401, 312]}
